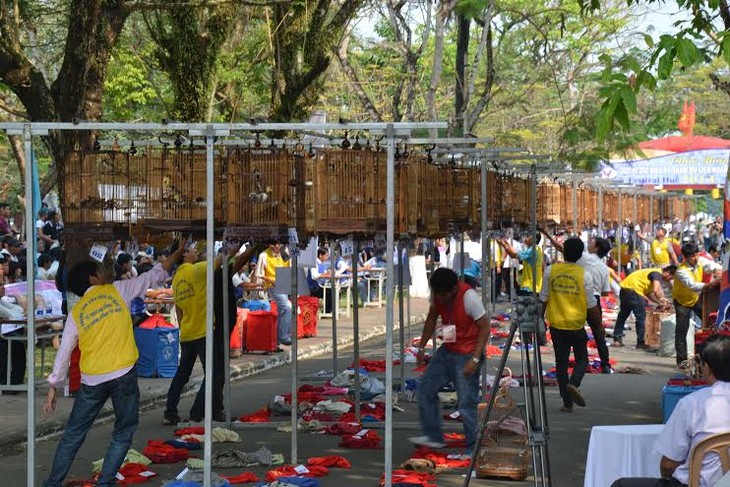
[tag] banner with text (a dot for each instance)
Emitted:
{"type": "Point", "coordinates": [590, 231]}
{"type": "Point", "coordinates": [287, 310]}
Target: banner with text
{"type": "Point", "coordinates": [683, 168]}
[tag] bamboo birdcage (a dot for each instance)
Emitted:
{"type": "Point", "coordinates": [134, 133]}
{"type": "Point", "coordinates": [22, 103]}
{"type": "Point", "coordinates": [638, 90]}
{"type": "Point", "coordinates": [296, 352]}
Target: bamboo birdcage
{"type": "Point", "coordinates": [449, 198]}
{"type": "Point", "coordinates": [548, 203]}
{"type": "Point", "coordinates": [270, 187]}
{"type": "Point", "coordinates": [350, 191]}
{"type": "Point", "coordinates": [157, 187]}
{"type": "Point", "coordinates": [504, 451]}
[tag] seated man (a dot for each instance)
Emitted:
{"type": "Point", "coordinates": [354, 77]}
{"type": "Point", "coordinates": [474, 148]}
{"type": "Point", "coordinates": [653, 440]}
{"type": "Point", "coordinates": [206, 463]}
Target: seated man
{"type": "Point", "coordinates": [700, 414]}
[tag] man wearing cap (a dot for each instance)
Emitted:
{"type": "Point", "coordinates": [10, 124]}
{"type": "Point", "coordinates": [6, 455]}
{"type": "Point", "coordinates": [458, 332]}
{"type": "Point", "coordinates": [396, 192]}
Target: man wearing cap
{"type": "Point", "coordinates": [688, 284]}
{"type": "Point", "coordinates": [662, 250]}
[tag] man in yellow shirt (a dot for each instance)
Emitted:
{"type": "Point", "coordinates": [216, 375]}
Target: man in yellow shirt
{"type": "Point", "coordinates": [567, 301]}
{"type": "Point", "coordinates": [269, 260]}
{"type": "Point", "coordinates": [101, 324]}
{"type": "Point", "coordinates": [688, 284]}
{"type": "Point", "coordinates": [662, 250]}
{"type": "Point", "coordinates": [638, 286]}
{"type": "Point", "coordinates": [189, 285]}
{"type": "Point", "coordinates": [529, 256]}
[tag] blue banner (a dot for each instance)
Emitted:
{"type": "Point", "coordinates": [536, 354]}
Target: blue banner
{"type": "Point", "coordinates": [700, 167]}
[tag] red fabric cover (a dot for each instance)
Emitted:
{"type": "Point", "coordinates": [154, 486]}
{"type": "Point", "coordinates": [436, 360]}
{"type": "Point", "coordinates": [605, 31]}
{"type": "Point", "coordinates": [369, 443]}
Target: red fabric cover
{"type": "Point", "coordinates": [342, 428]}
{"type": "Point", "coordinates": [329, 461]}
{"type": "Point", "coordinates": [242, 478]}
{"type": "Point", "coordinates": [191, 430]}
{"type": "Point", "coordinates": [318, 416]}
{"type": "Point", "coordinates": [308, 309]}
{"type": "Point", "coordinates": [261, 331]}
{"type": "Point", "coordinates": [155, 321]}
{"type": "Point", "coordinates": [370, 440]}
{"type": "Point", "coordinates": [439, 458]}
{"type": "Point", "coordinates": [313, 397]}
{"type": "Point", "coordinates": [289, 471]}
{"type": "Point", "coordinates": [74, 371]}
{"type": "Point", "coordinates": [375, 410]}
{"type": "Point", "coordinates": [131, 473]}
{"type": "Point", "coordinates": [454, 313]}
{"type": "Point", "coordinates": [410, 477]}
{"type": "Point", "coordinates": [260, 416]}
{"type": "Point", "coordinates": [159, 452]}
{"type": "Point", "coordinates": [349, 418]}
{"type": "Point", "coordinates": [455, 440]}
{"type": "Point", "coordinates": [373, 365]}
{"type": "Point", "coordinates": [310, 388]}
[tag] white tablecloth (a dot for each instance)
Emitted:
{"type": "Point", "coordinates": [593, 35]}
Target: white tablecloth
{"type": "Point", "coordinates": [621, 451]}
{"type": "Point", "coordinates": [419, 279]}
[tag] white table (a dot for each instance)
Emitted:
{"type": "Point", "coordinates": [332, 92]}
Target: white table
{"type": "Point", "coordinates": [375, 276]}
{"type": "Point", "coordinates": [621, 451]}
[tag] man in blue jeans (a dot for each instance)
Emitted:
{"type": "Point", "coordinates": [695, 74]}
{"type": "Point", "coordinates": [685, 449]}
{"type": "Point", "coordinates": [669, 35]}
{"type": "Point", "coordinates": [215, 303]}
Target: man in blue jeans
{"type": "Point", "coordinates": [101, 324]}
{"type": "Point", "coordinates": [465, 331]}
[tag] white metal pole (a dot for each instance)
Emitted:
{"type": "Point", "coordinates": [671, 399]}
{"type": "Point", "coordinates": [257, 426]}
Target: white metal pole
{"type": "Point", "coordinates": [389, 293]}
{"type": "Point", "coordinates": [294, 351]}
{"type": "Point", "coordinates": [486, 267]}
{"type": "Point", "coordinates": [226, 336]}
{"type": "Point", "coordinates": [574, 198]}
{"type": "Point", "coordinates": [334, 305]}
{"type": "Point", "coordinates": [619, 232]}
{"type": "Point", "coordinates": [30, 270]}
{"type": "Point", "coordinates": [210, 199]}
{"type": "Point", "coordinates": [600, 211]}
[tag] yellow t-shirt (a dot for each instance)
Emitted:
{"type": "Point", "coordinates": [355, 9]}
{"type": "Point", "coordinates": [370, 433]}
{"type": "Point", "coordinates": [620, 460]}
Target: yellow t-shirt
{"type": "Point", "coordinates": [272, 262]}
{"type": "Point", "coordinates": [104, 323]}
{"type": "Point", "coordinates": [567, 305]}
{"type": "Point", "coordinates": [526, 278]}
{"type": "Point", "coordinates": [681, 293]}
{"type": "Point", "coordinates": [638, 281]}
{"type": "Point", "coordinates": [189, 285]}
{"type": "Point", "coordinates": [660, 252]}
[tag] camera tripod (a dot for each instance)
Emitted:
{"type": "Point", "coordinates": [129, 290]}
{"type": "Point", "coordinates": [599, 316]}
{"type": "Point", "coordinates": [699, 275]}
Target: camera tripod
{"type": "Point", "coordinates": [528, 326]}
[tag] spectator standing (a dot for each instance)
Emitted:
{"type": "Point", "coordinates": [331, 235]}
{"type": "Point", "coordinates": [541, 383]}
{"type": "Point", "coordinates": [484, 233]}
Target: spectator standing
{"type": "Point", "coordinates": [269, 261]}
{"type": "Point", "coordinates": [5, 228]}
{"type": "Point", "coordinates": [661, 248]}
{"type": "Point", "coordinates": [529, 256]}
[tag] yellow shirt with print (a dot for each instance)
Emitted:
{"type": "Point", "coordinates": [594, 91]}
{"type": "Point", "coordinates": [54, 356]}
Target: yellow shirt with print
{"type": "Point", "coordinates": [189, 286]}
{"type": "Point", "coordinates": [638, 281]}
{"type": "Point", "coordinates": [567, 305]}
{"type": "Point", "coordinates": [681, 293]}
{"type": "Point", "coordinates": [103, 320]}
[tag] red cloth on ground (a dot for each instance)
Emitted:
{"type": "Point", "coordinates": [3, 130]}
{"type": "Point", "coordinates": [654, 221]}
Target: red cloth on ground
{"type": "Point", "coordinates": [343, 428]}
{"type": "Point", "coordinates": [260, 416]}
{"type": "Point", "coordinates": [242, 478]}
{"type": "Point", "coordinates": [318, 415]}
{"type": "Point", "coordinates": [455, 440]}
{"type": "Point", "coordinates": [313, 397]}
{"type": "Point", "coordinates": [374, 409]}
{"type": "Point", "coordinates": [310, 388]}
{"type": "Point", "coordinates": [290, 471]}
{"type": "Point", "coordinates": [329, 461]}
{"type": "Point", "coordinates": [159, 452]}
{"type": "Point", "coordinates": [410, 477]}
{"type": "Point", "coordinates": [373, 365]}
{"type": "Point", "coordinates": [370, 440]}
{"type": "Point", "coordinates": [131, 473]}
{"type": "Point", "coordinates": [192, 430]}
{"type": "Point", "coordinates": [348, 418]}
{"type": "Point", "coordinates": [439, 458]}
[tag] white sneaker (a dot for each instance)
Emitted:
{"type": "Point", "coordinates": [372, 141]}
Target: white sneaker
{"type": "Point", "coordinates": [426, 441]}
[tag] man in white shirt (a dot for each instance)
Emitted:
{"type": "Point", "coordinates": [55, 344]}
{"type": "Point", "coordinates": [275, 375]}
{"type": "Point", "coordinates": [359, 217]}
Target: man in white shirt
{"type": "Point", "coordinates": [698, 415]}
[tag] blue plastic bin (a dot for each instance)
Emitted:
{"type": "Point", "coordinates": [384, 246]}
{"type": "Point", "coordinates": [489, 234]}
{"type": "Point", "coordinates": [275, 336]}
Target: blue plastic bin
{"type": "Point", "coordinates": [257, 305]}
{"type": "Point", "coordinates": [158, 351]}
{"type": "Point", "coordinates": [671, 396]}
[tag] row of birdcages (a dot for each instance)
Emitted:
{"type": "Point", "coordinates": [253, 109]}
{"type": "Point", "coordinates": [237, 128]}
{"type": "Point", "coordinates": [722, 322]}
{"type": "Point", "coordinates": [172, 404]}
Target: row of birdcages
{"type": "Point", "coordinates": [334, 190]}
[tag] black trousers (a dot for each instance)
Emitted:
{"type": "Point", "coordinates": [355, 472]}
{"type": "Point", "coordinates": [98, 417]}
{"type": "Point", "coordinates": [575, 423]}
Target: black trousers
{"type": "Point", "coordinates": [563, 341]}
{"type": "Point", "coordinates": [18, 360]}
{"type": "Point", "coordinates": [680, 332]}
{"type": "Point", "coordinates": [319, 293]}
{"type": "Point", "coordinates": [599, 335]}
{"type": "Point", "coordinates": [507, 278]}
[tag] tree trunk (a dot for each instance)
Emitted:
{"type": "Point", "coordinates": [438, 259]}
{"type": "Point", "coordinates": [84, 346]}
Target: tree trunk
{"type": "Point", "coordinates": [349, 71]}
{"type": "Point", "coordinates": [486, 95]}
{"type": "Point", "coordinates": [438, 59]}
{"type": "Point", "coordinates": [462, 52]}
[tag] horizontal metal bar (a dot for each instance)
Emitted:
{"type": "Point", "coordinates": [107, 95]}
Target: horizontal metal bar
{"type": "Point", "coordinates": [222, 126]}
{"type": "Point", "coordinates": [450, 140]}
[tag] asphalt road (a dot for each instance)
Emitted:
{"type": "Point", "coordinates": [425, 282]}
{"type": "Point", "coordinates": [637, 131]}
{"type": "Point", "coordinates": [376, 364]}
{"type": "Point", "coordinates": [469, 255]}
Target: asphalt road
{"type": "Point", "coordinates": [614, 399]}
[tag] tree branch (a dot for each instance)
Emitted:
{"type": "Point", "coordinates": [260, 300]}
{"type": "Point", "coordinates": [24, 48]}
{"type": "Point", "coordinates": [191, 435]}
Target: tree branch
{"type": "Point", "coordinates": [354, 80]}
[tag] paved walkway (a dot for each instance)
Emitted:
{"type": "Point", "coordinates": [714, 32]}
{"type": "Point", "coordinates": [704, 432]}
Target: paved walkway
{"type": "Point", "coordinates": [13, 422]}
